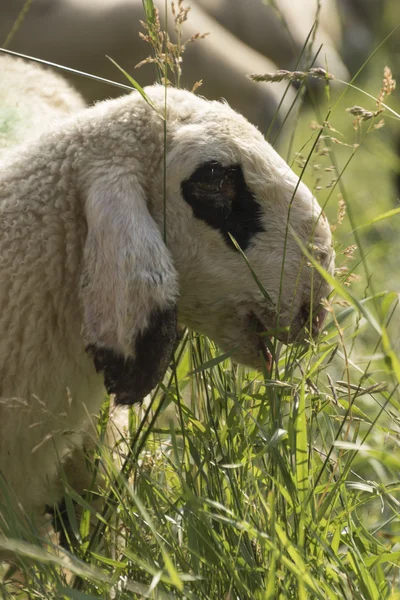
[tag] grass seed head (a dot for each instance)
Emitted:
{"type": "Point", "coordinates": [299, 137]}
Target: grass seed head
{"type": "Point", "coordinates": [284, 75]}
{"type": "Point", "coordinates": [167, 55]}
{"type": "Point", "coordinates": [388, 87]}
{"type": "Point", "coordinates": [361, 114]}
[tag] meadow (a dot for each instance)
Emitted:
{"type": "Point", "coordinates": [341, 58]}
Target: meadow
{"type": "Point", "coordinates": [230, 484]}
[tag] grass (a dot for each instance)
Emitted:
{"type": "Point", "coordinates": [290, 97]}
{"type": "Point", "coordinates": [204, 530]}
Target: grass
{"type": "Point", "coordinates": [238, 485]}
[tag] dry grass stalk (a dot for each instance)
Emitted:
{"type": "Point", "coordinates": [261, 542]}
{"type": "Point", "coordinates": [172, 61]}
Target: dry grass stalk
{"type": "Point", "coordinates": [283, 75]}
{"type": "Point", "coordinates": [167, 55]}
{"type": "Point", "coordinates": [351, 278]}
{"type": "Point", "coordinates": [388, 87]}
{"type": "Point", "coordinates": [361, 114]}
{"type": "Point", "coordinates": [18, 23]}
{"type": "Point", "coordinates": [341, 213]}
{"type": "Point", "coordinates": [349, 251]}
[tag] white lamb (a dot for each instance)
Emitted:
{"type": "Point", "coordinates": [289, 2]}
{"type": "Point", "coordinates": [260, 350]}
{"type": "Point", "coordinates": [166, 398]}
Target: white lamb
{"type": "Point", "coordinates": [31, 98]}
{"type": "Point", "coordinates": [90, 290]}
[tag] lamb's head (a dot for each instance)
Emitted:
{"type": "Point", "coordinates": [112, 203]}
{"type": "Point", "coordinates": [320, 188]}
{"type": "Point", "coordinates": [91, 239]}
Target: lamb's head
{"type": "Point", "coordinates": [236, 220]}
{"type": "Point", "coordinates": [224, 179]}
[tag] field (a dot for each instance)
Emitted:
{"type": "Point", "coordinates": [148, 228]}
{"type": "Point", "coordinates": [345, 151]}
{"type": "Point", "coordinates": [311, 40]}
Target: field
{"type": "Point", "coordinates": [240, 485]}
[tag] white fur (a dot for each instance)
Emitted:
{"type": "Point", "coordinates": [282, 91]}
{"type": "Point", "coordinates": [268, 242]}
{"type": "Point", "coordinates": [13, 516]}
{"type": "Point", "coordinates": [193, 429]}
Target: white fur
{"type": "Point", "coordinates": [31, 99]}
{"type": "Point", "coordinates": [83, 261]}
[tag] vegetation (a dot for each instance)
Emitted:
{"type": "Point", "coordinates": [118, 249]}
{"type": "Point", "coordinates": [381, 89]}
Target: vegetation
{"type": "Point", "coordinates": [237, 485]}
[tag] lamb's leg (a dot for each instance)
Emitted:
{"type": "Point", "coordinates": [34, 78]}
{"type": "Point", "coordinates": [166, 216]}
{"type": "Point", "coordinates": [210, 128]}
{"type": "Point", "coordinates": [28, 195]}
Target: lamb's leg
{"type": "Point", "coordinates": [90, 467]}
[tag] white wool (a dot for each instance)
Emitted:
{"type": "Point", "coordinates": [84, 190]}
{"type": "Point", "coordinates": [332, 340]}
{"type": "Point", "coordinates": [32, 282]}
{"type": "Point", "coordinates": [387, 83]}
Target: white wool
{"type": "Point", "coordinates": [31, 99]}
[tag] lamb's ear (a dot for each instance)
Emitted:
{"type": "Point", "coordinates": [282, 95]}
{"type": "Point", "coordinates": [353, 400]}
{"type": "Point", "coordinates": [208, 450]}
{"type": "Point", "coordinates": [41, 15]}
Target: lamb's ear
{"type": "Point", "coordinates": [129, 289]}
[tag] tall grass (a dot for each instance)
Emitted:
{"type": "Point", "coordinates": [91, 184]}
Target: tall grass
{"type": "Point", "coordinates": [239, 485]}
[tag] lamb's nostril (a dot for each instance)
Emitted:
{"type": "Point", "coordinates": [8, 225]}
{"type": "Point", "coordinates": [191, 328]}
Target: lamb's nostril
{"type": "Point", "coordinates": [318, 321]}
{"type": "Point", "coordinates": [312, 322]}
{"type": "Point", "coordinates": [305, 315]}
{"type": "Point", "coordinates": [316, 325]}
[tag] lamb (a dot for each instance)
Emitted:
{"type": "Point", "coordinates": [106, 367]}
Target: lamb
{"type": "Point", "coordinates": [96, 266]}
{"type": "Point", "coordinates": [31, 98]}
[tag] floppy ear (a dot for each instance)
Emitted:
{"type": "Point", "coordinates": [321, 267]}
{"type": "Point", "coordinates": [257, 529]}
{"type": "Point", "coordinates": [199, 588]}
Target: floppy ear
{"type": "Point", "coordinates": [129, 289]}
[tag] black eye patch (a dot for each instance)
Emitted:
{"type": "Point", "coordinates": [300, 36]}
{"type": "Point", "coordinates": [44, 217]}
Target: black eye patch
{"type": "Point", "coordinates": [220, 197]}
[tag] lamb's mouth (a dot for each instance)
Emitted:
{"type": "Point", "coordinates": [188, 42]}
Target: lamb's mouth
{"type": "Point", "coordinates": [262, 343]}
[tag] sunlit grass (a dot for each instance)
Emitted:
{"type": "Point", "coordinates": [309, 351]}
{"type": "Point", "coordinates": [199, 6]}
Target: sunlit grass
{"type": "Point", "coordinates": [248, 488]}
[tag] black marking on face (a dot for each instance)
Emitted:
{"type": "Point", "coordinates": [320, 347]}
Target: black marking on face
{"type": "Point", "coordinates": [132, 379]}
{"type": "Point", "coordinates": [219, 196]}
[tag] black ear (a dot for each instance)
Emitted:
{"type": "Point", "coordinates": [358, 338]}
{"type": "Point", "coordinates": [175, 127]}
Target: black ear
{"type": "Point", "coordinates": [131, 379]}
{"type": "Point", "coordinates": [220, 197]}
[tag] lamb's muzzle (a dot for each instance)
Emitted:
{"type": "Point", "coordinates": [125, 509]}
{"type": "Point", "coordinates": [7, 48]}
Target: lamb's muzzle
{"type": "Point", "coordinates": [311, 326]}
{"type": "Point", "coordinates": [263, 344]}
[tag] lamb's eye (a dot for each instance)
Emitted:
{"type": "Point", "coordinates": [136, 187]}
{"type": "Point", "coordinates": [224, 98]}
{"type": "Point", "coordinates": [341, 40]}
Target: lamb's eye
{"type": "Point", "coordinates": [210, 192]}
{"type": "Point", "coordinates": [218, 184]}
{"type": "Point", "coordinates": [219, 196]}
{"type": "Point", "coordinates": [211, 174]}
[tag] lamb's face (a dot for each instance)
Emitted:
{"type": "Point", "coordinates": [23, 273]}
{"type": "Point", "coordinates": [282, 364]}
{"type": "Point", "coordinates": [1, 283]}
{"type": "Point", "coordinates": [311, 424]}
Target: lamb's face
{"type": "Point", "coordinates": [223, 178]}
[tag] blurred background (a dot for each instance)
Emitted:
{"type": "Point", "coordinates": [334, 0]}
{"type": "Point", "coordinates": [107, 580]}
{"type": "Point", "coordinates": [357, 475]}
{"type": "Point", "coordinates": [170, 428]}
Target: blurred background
{"type": "Point", "coordinates": [253, 36]}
